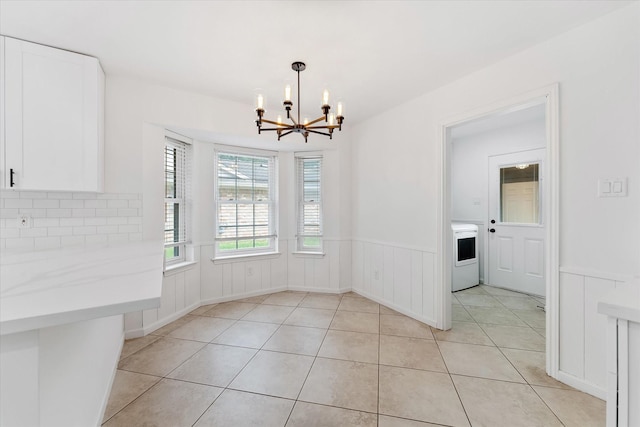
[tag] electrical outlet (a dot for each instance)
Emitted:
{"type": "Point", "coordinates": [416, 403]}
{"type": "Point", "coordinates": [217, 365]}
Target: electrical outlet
{"type": "Point", "coordinates": [24, 221]}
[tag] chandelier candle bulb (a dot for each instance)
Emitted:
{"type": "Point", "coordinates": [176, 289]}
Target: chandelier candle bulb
{"type": "Point", "coordinates": [332, 119]}
{"type": "Point", "coordinates": [287, 93]}
{"type": "Point", "coordinates": [260, 102]}
{"type": "Point", "coordinates": [340, 112]}
{"type": "Point", "coordinates": [325, 98]}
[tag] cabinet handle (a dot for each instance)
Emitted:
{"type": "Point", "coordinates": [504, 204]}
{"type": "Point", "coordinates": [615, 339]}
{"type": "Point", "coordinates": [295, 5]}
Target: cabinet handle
{"type": "Point", "coordinates": [11, 181]}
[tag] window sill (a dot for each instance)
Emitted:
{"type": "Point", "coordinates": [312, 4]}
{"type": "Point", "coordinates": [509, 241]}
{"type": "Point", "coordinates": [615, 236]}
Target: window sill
{"type": "Point", "coordinates": [235, 258]}
{"type": "Point", "coordinates": [308, 254]}
{"type": "Point", "coordinates": [172, 269]}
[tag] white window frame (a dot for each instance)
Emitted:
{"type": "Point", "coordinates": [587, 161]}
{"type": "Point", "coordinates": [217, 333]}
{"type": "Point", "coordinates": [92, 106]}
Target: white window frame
{"type": "Point", "coordinates": [181, 197]}
{"type": "Point", "coordinates": [300, 204]}
{"type": "Point", "coordinates": [272, 203]}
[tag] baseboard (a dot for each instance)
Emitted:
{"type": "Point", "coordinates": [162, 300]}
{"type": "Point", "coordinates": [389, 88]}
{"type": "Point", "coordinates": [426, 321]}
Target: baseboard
{"type": "Point", "coordinates": [430, 322]}
{"type": "Point", "coordinates": [319, 290]}
{"type": "Point", "coordinates": [582, 385]}
{"type": "Point", "coordinates": [173, 316]}
{"type": "Point", "coordinates": [242, 296]}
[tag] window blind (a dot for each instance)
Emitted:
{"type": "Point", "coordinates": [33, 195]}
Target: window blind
{"type": "Point", "coordinates": [176, 225]}
{"type": "Point", "coordinates": [309, 181]}
{"type": "Point", "coordinates": [245, 194]}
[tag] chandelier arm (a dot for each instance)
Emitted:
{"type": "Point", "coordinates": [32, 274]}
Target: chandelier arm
{"type": "Point", "coordinates": [285, 133]}
{"type": "Point", "coordinates": [319, 133]}
{"type": "Point", "coordinates": [271, 122]}
{"type": "Point", "coordinates": [294, 121]}
{"type": "Point", "coordinates": [322, 127]}
{"type": "Point", "coordinates": [319, 119]}
{"type": "Point", "coordinates": [278, 128]}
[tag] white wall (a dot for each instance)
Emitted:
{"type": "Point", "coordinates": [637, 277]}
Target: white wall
{"type": "Point", "coordinates": [470, 172]}
{"type": "Point", "coordinates": [396, 169]}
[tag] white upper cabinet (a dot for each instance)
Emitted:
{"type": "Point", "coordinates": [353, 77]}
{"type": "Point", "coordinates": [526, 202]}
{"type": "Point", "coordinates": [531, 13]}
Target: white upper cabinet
{"type": "Point", "coordinates": [52, 105]}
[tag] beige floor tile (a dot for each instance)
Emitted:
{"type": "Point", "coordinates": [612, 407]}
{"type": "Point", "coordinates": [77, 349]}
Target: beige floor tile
{"type": "Point", "coordinates": [460, 314]}
{"type": "Point", "coordinates": [167, 329]}
{"type": "Point", "coordinates": [202, 309]}
{"type": "Point", "coordinates": [202, 329]}
{"type": "Point", "coordinates": [464, 332]}
{"type": "Point", "coordinates": [454, 300]}
{"type": "Point", "coordinates": [352, 295]}
{"type": "Point", "coordinates": [275, 374]}
{"type": "Point", "coordinates": [296, 339]}
{"type": "Point", "coordinates": [330, 302]}
{"type": "Point", "coordinates": [492, 290]}
{"type": "Point", "coordinates": [541, 331]}
{"type": "Point", "coordinates": [518, 303]}
{"type": "Point", "coordinates": [475, 290]}
{"type": "Point", "coordinates": [258, 299]}
{"type": "Point", "coordinates": [515, 337]}
{"type": "Point", "coordinates": [494, 316]}
{"type": "Point", "coordinates": [413, 353]}
{"type": "Point", "coordinates": [362, 305]}
{"type": "Point", "coordinates": [131, 346]}
{"type": "Point", "coordinates": [356, 322]}
{"type": "Point", "coordinates": [269, 313]}
{"type": "Point", "coordinates": [127, 386]}
{"type": "Point", "coordinates": [355, 346]}
{"type": "Point", "coordinates": [161, 357]}
{"type": "Point", "coordinates": [477, 300]}
{"type": "Point", "coordinates": [159, 406]}
{"type": "Point", "coordinates": [491, 403]}
{"type": "Point", "coordinates": [350, 385]}
{"type": "Point", "coordinates": [478, 361]}
{"type": "Point", "coordinates": [535, 318]}
{"type": "Point", "coordinates": [404, 326]}
{"type": "Point", "coordinates": [311, 317]}
{"type": "Point", "coordinates": [387, 310]}
{"type": "Point", "coordinates": [531, 365]}
{"type": "Point", "coordinates": [238, 409]}
{"type": "Point", "coordinates": [285, 298]}
{"type": "Point", "coordinates": [420, 395]}
{"type": "Point", "coordinates": [574, 408]}
{"type": "Point", "coordinates": [247, 334]}
{"type": "Point", "coordinates": [230, 310]}
{"type": "Point", "coordinates": [387, 421]}
{"type": "Point", "coordinates": [312, 415]}
{"type": "Point", "coordinates": [214, 365]}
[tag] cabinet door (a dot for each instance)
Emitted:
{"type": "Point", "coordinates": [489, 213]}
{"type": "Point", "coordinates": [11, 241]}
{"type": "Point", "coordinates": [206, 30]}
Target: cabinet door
{"type": "Point", "coordinates": [52, 118]}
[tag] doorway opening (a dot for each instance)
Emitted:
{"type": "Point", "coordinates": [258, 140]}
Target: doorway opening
{"type": "Point", "coordinates": [508, 190]}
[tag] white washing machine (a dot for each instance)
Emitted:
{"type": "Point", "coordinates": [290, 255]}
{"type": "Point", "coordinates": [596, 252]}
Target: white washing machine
{"type": "Point", "coordinates": [465, 265]}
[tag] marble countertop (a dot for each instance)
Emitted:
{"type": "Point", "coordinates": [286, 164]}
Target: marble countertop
{"type": "Point", "coordinates": [46, 288]}
{"type": "Point", "coordinates": [623, 303]}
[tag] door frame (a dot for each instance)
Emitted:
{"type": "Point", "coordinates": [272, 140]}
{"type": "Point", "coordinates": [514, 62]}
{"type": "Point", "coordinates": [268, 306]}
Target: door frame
{"type": "Point", "coordinates": [549, 96]}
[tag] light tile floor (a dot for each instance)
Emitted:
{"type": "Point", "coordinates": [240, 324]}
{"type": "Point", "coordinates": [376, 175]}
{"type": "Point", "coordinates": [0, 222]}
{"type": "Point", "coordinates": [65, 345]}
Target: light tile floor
{"type": "Point", "coordinates": [305, 359]}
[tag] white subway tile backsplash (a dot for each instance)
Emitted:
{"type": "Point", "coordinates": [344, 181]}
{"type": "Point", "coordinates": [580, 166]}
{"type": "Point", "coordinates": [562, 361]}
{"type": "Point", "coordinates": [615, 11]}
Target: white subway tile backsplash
{"type": "Point", "coordinates": [127, 212]}
{"type": "Point", "coordinates": [46, 203]}
{"type": "Point", "coordinates": [68, 219]}
{"type": "Point", "coordinates": [72, 203]}
{"type": "Point", "coordinates": [106, 212]}
{"type": "Point", "coordinates": [18, 203]}
{"type": "Point", "coordinates": [58, 213]}
{"type": "Point", "coordinates": [33, 232]}
{"type": "Point", "coordinates": [95, 204]}
{"type": "Point", "coordinates": [117, 203]}
{"type": "Point", "coordinates": [32, 195]}
{"type": "Point", "coordinates": [95, 221]}
{"type": "Point", "coordinates": [83, 212]}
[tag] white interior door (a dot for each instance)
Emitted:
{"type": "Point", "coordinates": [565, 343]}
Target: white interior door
{"type": "Point", "coordinates": [516, 226]}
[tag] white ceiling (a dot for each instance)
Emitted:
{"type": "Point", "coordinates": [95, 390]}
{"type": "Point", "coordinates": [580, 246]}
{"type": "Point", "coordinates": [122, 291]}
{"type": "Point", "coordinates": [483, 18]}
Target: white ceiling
{"type": "Point", "coordinates": [371, 54]}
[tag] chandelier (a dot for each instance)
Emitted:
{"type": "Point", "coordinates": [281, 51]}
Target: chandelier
{"type": "Point", "coordinates": [331, 120]}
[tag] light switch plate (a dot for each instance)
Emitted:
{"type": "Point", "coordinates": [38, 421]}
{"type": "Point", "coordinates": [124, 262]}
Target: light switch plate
{"type": "Point", "coordinates": [612, 187]}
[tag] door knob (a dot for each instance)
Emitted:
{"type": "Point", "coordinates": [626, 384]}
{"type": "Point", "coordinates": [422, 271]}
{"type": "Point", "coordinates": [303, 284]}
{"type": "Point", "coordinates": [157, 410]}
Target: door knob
{"type": "Point", "coordinates": [492, 230]}
{"type": "Point", "coordinates": [493, 221]}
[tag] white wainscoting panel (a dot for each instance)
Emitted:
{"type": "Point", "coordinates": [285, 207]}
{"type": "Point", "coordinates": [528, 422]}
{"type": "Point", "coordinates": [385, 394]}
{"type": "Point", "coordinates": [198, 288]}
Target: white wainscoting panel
{"type": "Point", "coordinates": [398, 277]}
{"type": "Point", "coordinates": [583, 329]}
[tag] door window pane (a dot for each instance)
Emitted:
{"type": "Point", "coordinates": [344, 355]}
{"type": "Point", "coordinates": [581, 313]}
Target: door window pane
{"type": "Point", "coordinates": [519, 194]}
